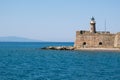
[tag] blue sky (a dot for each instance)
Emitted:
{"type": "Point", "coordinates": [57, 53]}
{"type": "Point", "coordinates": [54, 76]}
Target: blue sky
{"type": "Point", "coordinates": [56, 20]}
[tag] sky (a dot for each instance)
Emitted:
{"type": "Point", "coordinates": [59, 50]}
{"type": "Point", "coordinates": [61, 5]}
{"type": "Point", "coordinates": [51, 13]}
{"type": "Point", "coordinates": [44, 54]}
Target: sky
{"type": "Point", "coordinates": [56, 20]}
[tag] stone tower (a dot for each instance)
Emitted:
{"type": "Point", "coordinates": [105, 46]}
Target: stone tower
{"type": "Point", "coordinates": [92, 25]}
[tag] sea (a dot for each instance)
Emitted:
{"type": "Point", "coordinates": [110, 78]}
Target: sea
{"type": "Point", "coordinates": [26, 61]}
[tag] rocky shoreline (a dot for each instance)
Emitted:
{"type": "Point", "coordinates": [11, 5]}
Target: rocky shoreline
{"type": "Point", "coordinates": [81, 49]}
{"type": "Point", "coordinates": [58, 48]}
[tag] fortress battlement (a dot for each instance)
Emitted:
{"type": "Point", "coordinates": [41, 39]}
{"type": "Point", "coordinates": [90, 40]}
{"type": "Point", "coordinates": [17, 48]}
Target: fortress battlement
{"type": "Point", "coordinates": [83, 32]}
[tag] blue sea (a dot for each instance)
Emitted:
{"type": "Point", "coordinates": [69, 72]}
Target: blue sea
{"type": "Point", "coordinates": [26, 61]}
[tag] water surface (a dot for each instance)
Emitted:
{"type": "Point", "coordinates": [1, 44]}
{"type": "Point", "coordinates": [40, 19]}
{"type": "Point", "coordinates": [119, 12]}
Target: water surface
{"type": "Point", "coordinates": [25, 61]}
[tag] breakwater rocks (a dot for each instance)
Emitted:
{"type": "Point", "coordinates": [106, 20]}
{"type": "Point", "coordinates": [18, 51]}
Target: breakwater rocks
{"type": "Point", "coordinates": [58, 48]}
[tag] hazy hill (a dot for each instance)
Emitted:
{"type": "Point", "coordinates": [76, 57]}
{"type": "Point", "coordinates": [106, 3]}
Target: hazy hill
{"type": "Point", "coordinates": [17, 39]}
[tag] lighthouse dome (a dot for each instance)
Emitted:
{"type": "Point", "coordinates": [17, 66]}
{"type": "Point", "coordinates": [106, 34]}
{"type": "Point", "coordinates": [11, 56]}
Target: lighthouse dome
{"type": "Point", "coordinates": [92, 20]}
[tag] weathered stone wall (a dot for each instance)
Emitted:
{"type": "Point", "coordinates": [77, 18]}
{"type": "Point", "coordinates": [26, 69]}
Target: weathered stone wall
{"type": "Point", "coordinates": [94, 40]}
{"type": "Point", "coordinates": [117, 40]}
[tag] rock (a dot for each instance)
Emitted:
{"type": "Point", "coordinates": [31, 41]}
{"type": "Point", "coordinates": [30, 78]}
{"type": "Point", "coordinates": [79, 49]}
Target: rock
{"type": "Point", "coordinates": [58, 48]}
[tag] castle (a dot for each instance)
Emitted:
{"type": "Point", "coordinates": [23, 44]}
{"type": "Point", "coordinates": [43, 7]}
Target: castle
{"type": "Point", "coordinates": [96, 39]}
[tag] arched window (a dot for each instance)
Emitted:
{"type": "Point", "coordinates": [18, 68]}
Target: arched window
{"type": "Point", "coordinates": [100, 43]}
{"type": "Point", "coordinates": [84, 43]}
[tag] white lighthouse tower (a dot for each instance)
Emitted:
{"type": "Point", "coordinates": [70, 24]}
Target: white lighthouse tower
{"type": "Point", "coordinates": [92, 25]}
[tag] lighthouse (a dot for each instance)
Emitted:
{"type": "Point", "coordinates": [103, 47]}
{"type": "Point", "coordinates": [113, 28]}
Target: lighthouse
{"type": "Point", "coordinates": [92, 25]}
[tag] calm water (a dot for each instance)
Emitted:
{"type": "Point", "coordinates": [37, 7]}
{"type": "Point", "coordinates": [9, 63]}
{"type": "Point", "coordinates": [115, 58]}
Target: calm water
{"type": "Point", "coordinates": [25, 61]}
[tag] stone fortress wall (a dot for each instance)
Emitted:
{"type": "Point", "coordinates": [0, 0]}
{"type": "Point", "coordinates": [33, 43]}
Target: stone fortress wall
{"type": "Point", "coordinates": [94, 39]}
{"type": "Point", "coordinates": [117, 40]}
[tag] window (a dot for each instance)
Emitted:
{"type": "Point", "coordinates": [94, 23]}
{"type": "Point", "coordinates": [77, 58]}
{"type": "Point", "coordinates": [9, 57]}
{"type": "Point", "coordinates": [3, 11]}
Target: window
{"type": "Point", "coordinates": [84, 43]}
{"type": "Point", "coordinates": [100, 43]}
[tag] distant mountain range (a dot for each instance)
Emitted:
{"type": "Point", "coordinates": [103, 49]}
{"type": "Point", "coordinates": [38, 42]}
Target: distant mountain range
{"type": "Point", "coordinates": [17, 39]}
